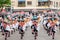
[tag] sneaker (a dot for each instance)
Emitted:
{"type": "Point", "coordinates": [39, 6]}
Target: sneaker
{"type": "Point", "coordinates": [32, 33]}
{"type": "Point", "coordinates": [52, 38]}
{"type": "Point", "coordinates": [3, 34]}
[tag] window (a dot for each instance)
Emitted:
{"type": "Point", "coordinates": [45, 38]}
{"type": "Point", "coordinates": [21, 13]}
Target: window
{"type": "Point", "coordinates": [59, 4]}
{"type": "Point", "coordinates": [21, 3]}
{"type": "Point", "coordinates": [43, 3]}
{"type": "Point", "coordinates": [29, 2]}
{"type": "Point", "coordinates": [43, 0]}
{"type": "Point", "coordinates": [39, 4]}
{"type": "Point", "coordinates": [56, 4]}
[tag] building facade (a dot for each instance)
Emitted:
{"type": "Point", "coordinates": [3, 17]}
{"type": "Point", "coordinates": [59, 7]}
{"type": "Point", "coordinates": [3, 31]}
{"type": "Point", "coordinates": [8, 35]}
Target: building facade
{"type": "Point", "coordinates": [35, 4]}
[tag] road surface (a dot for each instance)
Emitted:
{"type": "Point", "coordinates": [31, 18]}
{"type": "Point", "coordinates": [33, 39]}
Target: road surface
{"type": "Point", "coordinates": [42, 35]}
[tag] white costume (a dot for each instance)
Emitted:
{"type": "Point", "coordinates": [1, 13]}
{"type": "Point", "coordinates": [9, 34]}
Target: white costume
{"type": "Point", "coordinates": [8, 28]}
{"type": "Point", "coordinates": [38, 28]}
{"type": "Point", "coordinates": [16, 25]}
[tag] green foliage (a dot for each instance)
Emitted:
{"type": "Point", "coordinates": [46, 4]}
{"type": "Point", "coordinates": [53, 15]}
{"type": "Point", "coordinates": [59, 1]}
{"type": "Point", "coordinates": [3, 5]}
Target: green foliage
{"type": "Point", "coordinates": [5, 2]}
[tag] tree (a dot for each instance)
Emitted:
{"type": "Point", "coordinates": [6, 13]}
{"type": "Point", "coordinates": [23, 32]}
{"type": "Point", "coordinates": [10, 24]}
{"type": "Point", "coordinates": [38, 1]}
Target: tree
{"type": "Point", "coordinates": [5, 3]}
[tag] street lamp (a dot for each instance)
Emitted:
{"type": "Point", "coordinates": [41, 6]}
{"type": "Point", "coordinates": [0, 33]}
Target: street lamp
{"type": "Point", "coordinates": [11, 9]}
